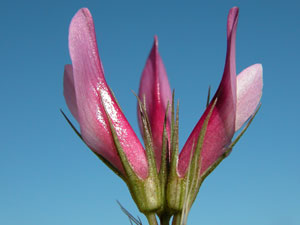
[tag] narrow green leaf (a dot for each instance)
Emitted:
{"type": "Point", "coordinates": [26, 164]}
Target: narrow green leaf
{"type": "Point", "coordinates": [172, 116]}
{"type": "Point", "coordinates": [126, 165]}
{"type": "Point", "coordinates": [186, 202]}
{"type": "Point", "coordinates": [244, 129]}
{"type": "Point", "coordinates": [71, 124]}
{"type": "Point", "coordinates": [113, 94]}
{"type": "Point", "coordinates": [197, 152]}
{"type": "Point", "coordinates": [208, 97]}
{"type": "Point", "coordinates": [147, 137]}
{"type": "Point", "coordinates": [163, 172]}
{"type": "Point", "coordinates": [174, 145]}
{"type": "Point", "coordinates": [193, 179]}
{"type": "Point", "coordinates": [164, 154]}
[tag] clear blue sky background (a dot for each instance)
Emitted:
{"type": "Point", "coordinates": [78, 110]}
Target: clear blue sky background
{"type": "Point", "coordinates": [49, 177]}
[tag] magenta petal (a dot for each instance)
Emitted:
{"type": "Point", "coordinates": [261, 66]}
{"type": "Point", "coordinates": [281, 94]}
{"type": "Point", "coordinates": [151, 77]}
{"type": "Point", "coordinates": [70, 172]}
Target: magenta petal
{"type": "Point", "coordinates": [69, 91]}
{"type": "Point", "coordinates": [154, 86]}
{"type": "Point", "coordinates": [249, 91]}
{"type": "Point", "coordinates": [90, 86]}
{"type": "Point", "coordinates": [221, 126]}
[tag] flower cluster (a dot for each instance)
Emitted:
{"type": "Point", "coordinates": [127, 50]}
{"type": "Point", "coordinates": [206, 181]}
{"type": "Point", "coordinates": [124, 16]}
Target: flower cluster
{"type": "Point", "coordinates": [161, 180]}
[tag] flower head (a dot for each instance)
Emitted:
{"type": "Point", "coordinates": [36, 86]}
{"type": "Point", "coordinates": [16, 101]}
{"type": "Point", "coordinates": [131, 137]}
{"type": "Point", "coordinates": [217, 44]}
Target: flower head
{"type": "Point", "coordinates": [159, 177]}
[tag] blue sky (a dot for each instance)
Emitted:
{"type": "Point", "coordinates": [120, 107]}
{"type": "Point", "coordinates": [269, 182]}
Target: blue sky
{"type": "Point", "coordinates": [48, 176]}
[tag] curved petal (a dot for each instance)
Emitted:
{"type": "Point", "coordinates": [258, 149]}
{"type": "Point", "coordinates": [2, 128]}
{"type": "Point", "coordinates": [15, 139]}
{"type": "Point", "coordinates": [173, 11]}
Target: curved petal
{"type": "Point", "coordinates": [155, 88]}
{"type": "Point", "coordinates": [249, 91]}
{"type": "Point", "coordinates": [220, 128]}
{"type": "Point", "coordinates": [90, 86]}
{"type": "Point", "coordinates": [69, 91]}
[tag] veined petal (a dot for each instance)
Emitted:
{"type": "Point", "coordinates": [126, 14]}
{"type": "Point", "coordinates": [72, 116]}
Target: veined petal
{"type": "Point", "coordinates": [90, 86]}
{"type": "Point", "coordinates": [249, 91]}
{"type": "Point", "coordinates": [155, 88]}
{"type": "Point", "coordinates": [221, 125]}
{"type": "Point", "coordinates": [69, 91]}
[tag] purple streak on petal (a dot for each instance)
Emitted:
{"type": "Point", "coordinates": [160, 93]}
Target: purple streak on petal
{"type": "Point", "coordinates": [69, 91]}
{"type": "Point", "coordinates": [221, 125]}
{"type": "Point", "coordinates": [90, 85]}
{"type": "Point", "coordinates": [154, 85]}
{"type": "Point", "coordinates": [249, 91]}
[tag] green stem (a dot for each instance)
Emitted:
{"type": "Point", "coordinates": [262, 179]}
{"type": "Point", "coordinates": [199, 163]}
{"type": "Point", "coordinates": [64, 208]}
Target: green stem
{"type": "Point", "coordinates": [151, 219]}
{"type": "Point", "coordinates": [176, 219]}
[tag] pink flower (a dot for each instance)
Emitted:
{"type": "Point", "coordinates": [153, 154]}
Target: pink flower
{"type": "Point", "coordinates": [155, 88]}
{"type": "Point", "coordinates": [158, 183]}
{"type": "Point", "coordinates": [237, 100]}
{"type": "Point", "coordinates": [89, 98]}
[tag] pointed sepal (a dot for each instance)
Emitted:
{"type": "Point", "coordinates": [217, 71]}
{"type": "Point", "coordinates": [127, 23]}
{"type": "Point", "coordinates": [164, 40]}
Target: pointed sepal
{"type": "Point", "coordinates": [182, 190]}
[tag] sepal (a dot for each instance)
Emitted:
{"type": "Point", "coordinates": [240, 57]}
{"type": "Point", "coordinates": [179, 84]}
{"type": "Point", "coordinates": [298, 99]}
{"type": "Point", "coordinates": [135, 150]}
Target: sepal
{"type": "Point", "coordinates": [182, 190]}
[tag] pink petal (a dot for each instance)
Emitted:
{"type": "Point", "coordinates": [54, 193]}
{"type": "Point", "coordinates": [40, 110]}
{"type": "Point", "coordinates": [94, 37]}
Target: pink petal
{"type": "Point", "coordinates": [249, 91]}
{"type": "Point", "coordinates": [69, 91]}
{"type": "Point", "coordinates": [90, 86]}
{"type": "Point", "coordinates": [220, 128]}
{"type": "Point", "coordinates": [154, 86]}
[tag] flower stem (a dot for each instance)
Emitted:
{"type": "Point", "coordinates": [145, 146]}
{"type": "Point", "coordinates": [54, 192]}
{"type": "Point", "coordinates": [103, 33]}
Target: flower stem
{"type": "Point", "coordinates": [176, 219]}
{"type": "Point", "coordinates": [151, 219]}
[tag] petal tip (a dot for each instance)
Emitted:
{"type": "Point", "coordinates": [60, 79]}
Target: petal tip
{"type": "Point", "coordinates": [233, 12]}
{"type": "Point", "coordinates": [232, 20]}
{"type": "Point", "coordinates": [156, 40]}
{"type": "Point", "coordinates": [259, 67]}
{"type": "Point", "coordinates": [67, 67]}
{"type": "Point", "coordinates": [155, 44]}
{"type": "Point", "coordinates": [84, 11]}
{"type": "Point", "coordinates": [81, 15]}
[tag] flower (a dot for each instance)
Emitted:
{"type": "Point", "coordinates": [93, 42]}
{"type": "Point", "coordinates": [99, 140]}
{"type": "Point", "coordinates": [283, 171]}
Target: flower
{"type": "Point", "coordinates": [88, 97]}
{"type": "Point", "coordinates": [234, 102]}
{"type": "Point", "coordinates": [161, 180]}
{"type": "Point", "coordinates": [103, 126]}
{"type": "Point", "coordinates": [155, 89]}
{"type": "Point", "coordinates": [238, 97]}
